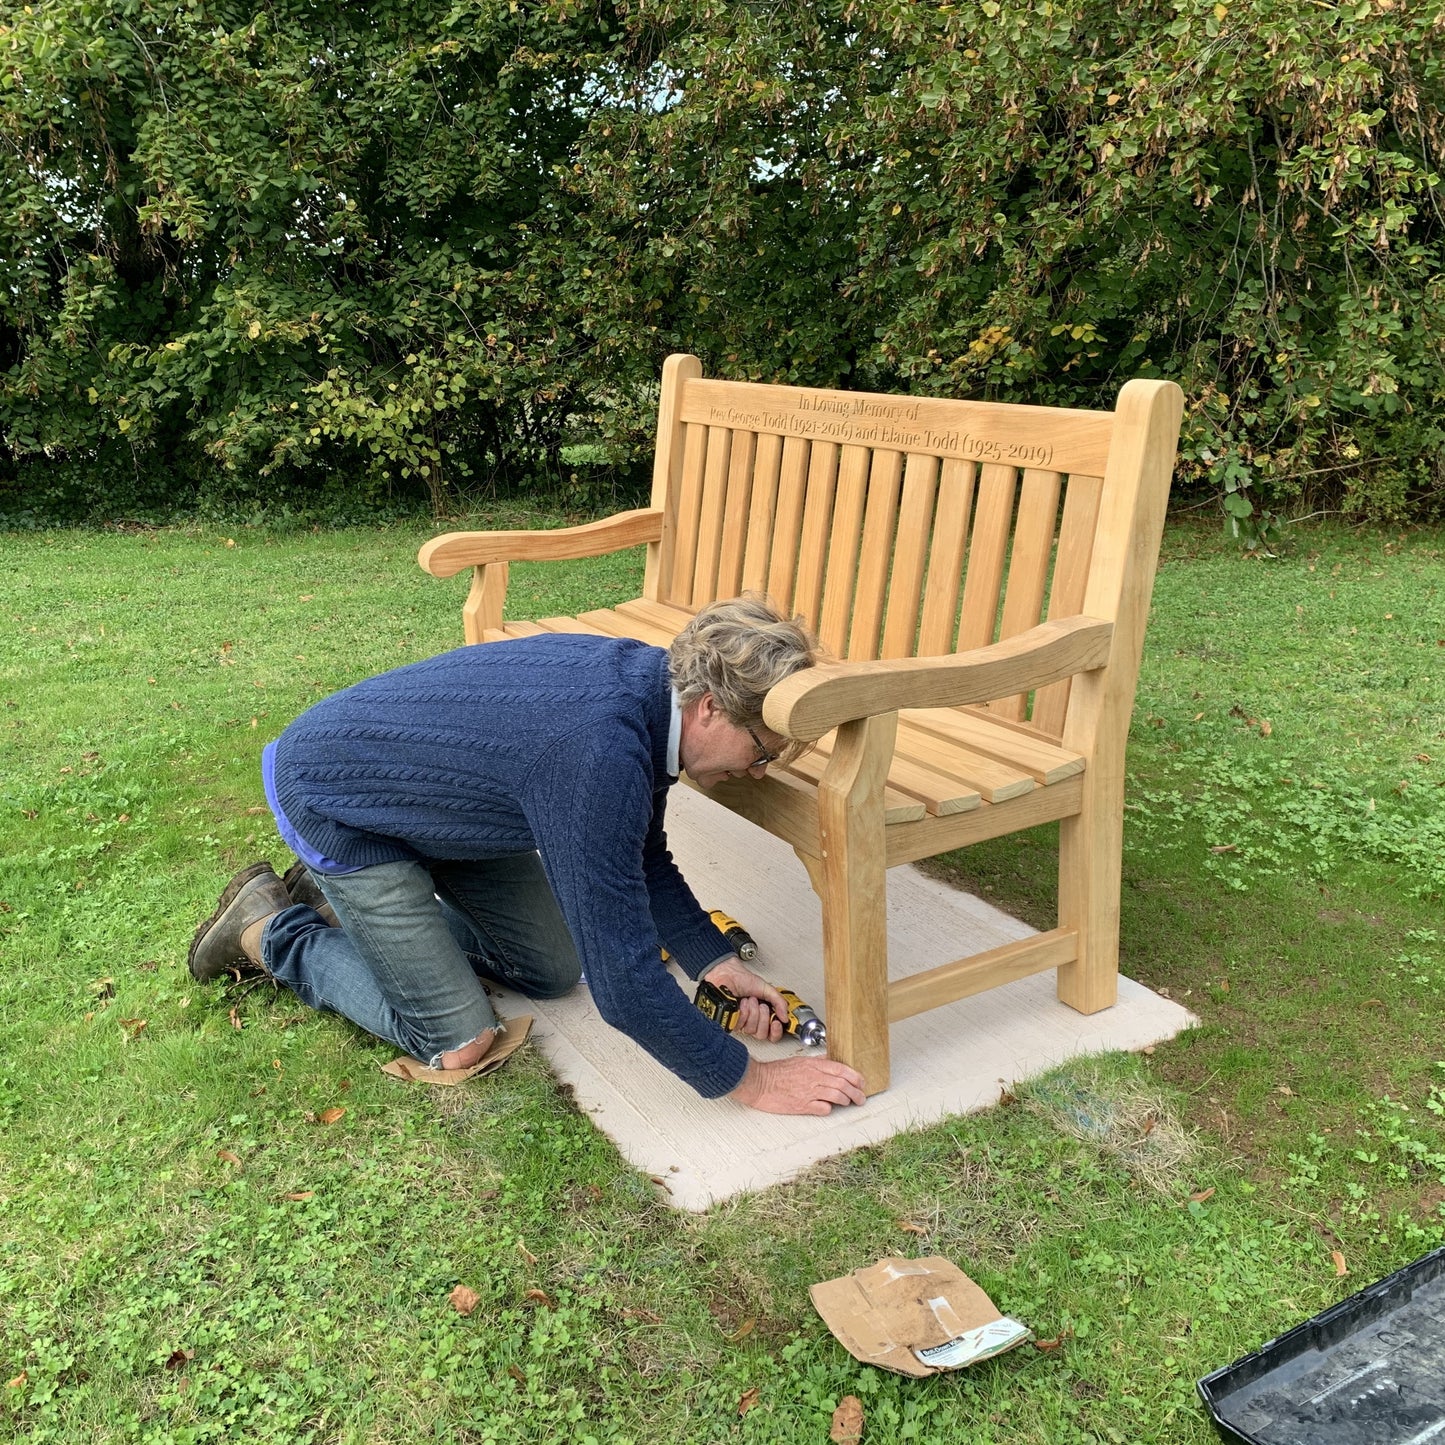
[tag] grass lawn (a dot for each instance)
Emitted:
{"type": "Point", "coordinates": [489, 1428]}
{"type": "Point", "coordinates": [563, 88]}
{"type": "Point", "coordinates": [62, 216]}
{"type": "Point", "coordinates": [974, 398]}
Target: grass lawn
{"type": "Point", "coordinates": [220, 1221]}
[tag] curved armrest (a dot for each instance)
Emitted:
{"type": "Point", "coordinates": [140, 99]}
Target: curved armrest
{"type": "Point", "coordinates": [446, 555]}
{"type": "Point", "coordinates": [809, 703]}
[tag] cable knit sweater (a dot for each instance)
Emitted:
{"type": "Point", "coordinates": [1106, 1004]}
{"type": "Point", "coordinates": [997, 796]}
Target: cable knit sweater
{"type": "Point", "coordinates": [557, 743]}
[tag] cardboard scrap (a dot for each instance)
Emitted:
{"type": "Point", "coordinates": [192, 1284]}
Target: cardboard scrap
{"type": "Point", "coordinates": [915, 1317]}
{"type": "Point", "coordinates": [413, 1071]}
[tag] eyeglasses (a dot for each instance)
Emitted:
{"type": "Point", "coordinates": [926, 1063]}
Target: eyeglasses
{"type": "Point", "coordinates": [764, 757]}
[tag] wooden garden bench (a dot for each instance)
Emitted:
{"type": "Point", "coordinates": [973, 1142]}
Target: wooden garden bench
{"type": "Point", "coordinates": [982, 570]}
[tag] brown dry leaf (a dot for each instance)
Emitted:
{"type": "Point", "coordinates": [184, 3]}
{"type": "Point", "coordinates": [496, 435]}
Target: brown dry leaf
{"type": "Point", "coordinates": [299, 1195]}
{"type": "Point", "coordinates": [229, 1156]}
{"type": "Point", "coordinates": [1286, 1091]}
{"type": "Point", "coordinates": [1265, 729]}
{"type": "Point", "coordinates": [331, 1115]}
{"type": "Point", "coordinates": [526, 1253]}
{"type": "Point", "coordinates": [179, 1358]}
{"type": "Point", "coordinates": [1225, 848]}
{"type": "Point", "coordinates": [909, 1227]}
{"type": "Point", "coordinates": [517, 1375]}
{"type": "Point", "coordinates": [747, 1400]}
{"type": "Point", "coordinates": [236, 1019]}
{"type": "Point", "coordinates": [646, 1316]}
{"type": "Point", "coordinates": [1202, 1195]}
{"type": "Point", "coordinates": [18, 1381]}
{"type": "Point", "coordinates": [1224, 985]}
{"type": "Point", "coordinates": [1147, 1049]}
{"type": "Point", "coordinates": [847, 1428]}
{"type": "Point", "coordinates": [254, 812]}
{"type": "Point", "coordinates": [464, 1299]}
{"type": "Point", "coordinates": [1052, 1344]}
{"type": "Point", "coordinates": [742, 1331]}
{"type": "Point", "coordinates": [660, 1182]}
{"type": "Point", "coordinates": [1341, 1268]}
{"type": "Point", "coordinates": [102, 987]}
{"type": "Point", "coordinates": [540, 1297]}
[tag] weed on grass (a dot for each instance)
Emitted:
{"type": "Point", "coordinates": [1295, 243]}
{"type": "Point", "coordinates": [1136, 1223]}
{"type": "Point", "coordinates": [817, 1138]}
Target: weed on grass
{"type": "Point", "coordinates": [220, 1221]}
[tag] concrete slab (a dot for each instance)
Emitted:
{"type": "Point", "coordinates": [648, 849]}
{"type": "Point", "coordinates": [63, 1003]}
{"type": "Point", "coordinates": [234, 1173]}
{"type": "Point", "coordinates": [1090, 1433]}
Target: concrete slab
{"type": "Point", "coordinates": [952, 1060]}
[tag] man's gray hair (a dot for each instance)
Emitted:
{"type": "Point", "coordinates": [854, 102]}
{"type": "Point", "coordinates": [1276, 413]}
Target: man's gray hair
{"type": "Point", "coordinates": [738, 650]}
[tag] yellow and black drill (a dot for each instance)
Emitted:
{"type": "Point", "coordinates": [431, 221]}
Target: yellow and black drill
{"type": "Point", "coordinates": [723, 1006]}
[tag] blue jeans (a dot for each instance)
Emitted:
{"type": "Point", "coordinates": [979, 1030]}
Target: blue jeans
{"type": "Point", "coordinates": [416, 942]}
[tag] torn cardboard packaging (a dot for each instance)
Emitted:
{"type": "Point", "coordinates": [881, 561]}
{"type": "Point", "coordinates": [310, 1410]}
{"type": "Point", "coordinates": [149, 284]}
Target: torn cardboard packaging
{"type": "Point", "coordinates": [915, 1316]}
{"type": "Point", "coordinates": [413, 1071]}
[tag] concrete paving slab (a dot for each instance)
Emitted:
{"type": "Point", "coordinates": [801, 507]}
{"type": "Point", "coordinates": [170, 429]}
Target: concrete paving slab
{"type": "Point", "coordinates": [952, 1060]}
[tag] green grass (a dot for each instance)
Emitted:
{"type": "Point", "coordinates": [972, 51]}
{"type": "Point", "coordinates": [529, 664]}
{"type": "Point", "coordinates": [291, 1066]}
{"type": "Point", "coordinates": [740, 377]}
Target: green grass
{"type": "Point", "coordinates": [190, 1254]}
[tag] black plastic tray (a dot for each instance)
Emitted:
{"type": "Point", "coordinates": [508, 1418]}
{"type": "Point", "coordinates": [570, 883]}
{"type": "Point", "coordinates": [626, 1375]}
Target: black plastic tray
{"type": "Point", "coordinates": [1368, 1371]}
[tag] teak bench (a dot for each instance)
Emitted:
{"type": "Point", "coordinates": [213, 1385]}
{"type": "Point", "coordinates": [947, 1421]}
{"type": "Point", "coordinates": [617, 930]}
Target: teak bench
{"type": "Point", "coordinates": [982, 570]}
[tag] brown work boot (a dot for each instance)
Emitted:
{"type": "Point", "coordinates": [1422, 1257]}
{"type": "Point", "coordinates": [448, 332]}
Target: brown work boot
{"type": "Point", "coordinates": [302, 888]}
{"type": "Point", "coordinates": [251, 897]}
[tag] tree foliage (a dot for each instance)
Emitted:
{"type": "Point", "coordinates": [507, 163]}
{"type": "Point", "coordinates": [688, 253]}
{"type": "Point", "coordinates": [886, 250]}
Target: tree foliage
{"type": "Point", "coordinates": [410, 243]}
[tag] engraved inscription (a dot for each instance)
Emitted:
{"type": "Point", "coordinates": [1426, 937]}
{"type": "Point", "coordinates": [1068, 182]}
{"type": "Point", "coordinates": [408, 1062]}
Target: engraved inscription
{"type": "Point", "coordinates": [857, 421]}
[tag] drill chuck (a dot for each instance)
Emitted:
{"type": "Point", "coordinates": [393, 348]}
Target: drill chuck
{"type": "Point", "coordinates": [739, 939]}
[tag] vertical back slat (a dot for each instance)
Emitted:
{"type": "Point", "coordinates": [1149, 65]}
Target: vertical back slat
{"type": "Point", "coordinates": [817, 518]}
{"type": "Point", "coordinates": [842, 573]}
{"type": "Point", "coordinates": [677, 371]}
{"type": "Point", "coordinates": [762, 506]}
{"type": "Point", "coordinates": [986, 550]}
{"type": "Point", "coordinates": [788, 522]}
{"type": "Point", "coordinates": [735, 514]}
{"type": "Point", "coordinates": [945, 558]}
{"type": "Point", "coordinates": [915, 527]}
{"type": "Point", "coordinates": [1028, 570]}
{"type": "Point", "coordinates": [1066, 595]}
{"type": "Point", "coordinates": [876, 555]}
{"type": "Point", "coordinates": [710, 524]}
{"type": "Point", "coordinates": [689, 513]}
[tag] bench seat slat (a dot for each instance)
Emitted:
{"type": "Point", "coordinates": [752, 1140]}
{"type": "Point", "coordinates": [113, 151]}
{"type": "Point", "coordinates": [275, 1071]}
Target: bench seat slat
{"type": "Point", "coordinates": [937, 791]}
{"type": "Point", "coordinates": [898, 807]}
{"type": "Point", "coordinates": [994, 781]}
{"type": "Point", "coordinates": [1045, 762]}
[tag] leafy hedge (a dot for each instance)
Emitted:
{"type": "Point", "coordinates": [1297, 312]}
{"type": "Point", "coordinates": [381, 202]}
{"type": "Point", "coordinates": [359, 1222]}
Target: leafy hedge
{"type": "Point", "coordinates": [359, 249]}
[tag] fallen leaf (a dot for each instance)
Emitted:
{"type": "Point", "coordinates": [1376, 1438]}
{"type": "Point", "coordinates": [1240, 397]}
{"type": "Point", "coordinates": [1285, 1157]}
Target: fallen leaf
{"type": "Point", "coordinates": [102, 987]}
{"type": "Point", "coordinates": [1341, 1268]}
{"type": "Point", "coordinates": [909, 1227]}
{"type": "Point", "coordinates": [1052, 1344]}
{"type": "Point", "coordinates": [1286, 1091]}
{"type": "Point", "coordinates": [1265, 729]}
{"type": "Point", "coordinates": [178, 1358]}
{"type": "Point", "coordinates": [464, 1299]}
{"type": "Point", "coordinates": [331, 1115]}
{"type": "Point", "coordinates": [300, 1194]}
{"type": "Point", "coordinates": [1198, 716]}
{"type": "Point", "coordinates": [1225, 848]}
{"type": "Point", "coordinates": [133, 1027]}
{"type": "Point", "coordinates": [747, 1400]}
{"type": "Point", "coordinates": [742, 1331]}
{"type": "Point", "coordinates": [847, 1428]}
{"type": "Point", "coordinates": [255, 812]}
{"type": "Point", "coordinates": [276, 1064]}
{"type": "Point", "coordinates": [229, 1156]}
{"type": "Point", "coordinates": [646, 1316]}
{"type": "Point", "coordinates": [660, 1182]}
{"type": "Point", "coordinates": [540, 1297]}
{"type": "Point", "coordinates": [517, 1375]}
{"type": "Point", "coordinates": [526, 1253]}
{"type": "Point", "coordinates": [18, 1381]}
{"type": "Point", "coordinates": [236, 1019]}
{"type": "Point", "coordinates": [1202, 1195]}
{"type": "Point", "coordinates": [1147, 1049]}
{"type": "Point", "coordinates": [1224, 985]}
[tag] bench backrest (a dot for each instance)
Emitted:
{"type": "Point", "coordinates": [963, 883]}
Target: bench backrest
{"type": "Point", "coordinates": [904, 526]}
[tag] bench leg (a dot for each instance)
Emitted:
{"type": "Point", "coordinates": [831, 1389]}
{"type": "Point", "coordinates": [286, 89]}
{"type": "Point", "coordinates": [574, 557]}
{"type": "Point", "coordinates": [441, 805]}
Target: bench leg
{"type": "Point", "coordinates": [1090, 859]}
{"type": "Point", "coordinates": [855, 914]}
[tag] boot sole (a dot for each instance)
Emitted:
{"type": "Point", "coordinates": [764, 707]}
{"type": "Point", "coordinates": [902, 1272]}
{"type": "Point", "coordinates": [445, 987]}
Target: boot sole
{"type": "Point", "coordinates": [228, 897]}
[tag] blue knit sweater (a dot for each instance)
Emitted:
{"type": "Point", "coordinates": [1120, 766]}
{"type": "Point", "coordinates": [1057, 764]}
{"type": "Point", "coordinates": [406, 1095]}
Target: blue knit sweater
{"type": "Point", "coordinates": [557, 743]}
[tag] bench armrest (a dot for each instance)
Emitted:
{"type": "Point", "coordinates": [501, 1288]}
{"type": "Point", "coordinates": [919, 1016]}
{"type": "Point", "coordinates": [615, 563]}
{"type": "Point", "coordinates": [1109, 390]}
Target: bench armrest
{"type": "Point", "coordinates": [446, 555]}
{"type": "Point", "coordinates": [810, 703]}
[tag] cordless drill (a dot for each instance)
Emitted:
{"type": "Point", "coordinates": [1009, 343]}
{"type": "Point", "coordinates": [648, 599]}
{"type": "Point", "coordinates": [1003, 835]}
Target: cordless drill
{"type": "Point", "coordinates": [723, 1007]}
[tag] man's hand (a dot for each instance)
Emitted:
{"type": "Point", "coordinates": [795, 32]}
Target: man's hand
{"type": "Point", "coordinates": [804, 1085]}
{"type": "Point", "coordinates": [762, 1010]}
